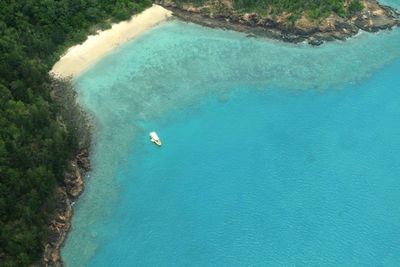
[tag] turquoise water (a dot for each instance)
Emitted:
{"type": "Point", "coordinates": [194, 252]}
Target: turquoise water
{"type": "Point", "coordinates": [273, 154]}
{"type": "Point", "coordinates": [392, 3]}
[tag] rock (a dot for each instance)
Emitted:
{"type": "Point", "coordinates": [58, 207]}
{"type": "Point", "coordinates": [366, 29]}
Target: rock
{"type": "Point", "coordinates": [221, 14]}
{"type": "Point", "coordinates": [73, 180]}
{"type": "Point", "coordinates": [60, 226]}
{"type": "Point", "coordinates": [55, 256]}
{"type": "Point", "coordinates": [76, 186]}
{"type": "Point", "coordinates": [83, 159]}
{"type": "Point", "coordinates": [315, 42]}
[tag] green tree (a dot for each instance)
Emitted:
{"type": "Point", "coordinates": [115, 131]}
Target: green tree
{"type": "Point", "coordinates": [34, 146]}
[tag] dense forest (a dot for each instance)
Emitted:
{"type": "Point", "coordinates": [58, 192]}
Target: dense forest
{"type": "Point", "coordinates": [314, 8]}
{"type": "Point", "coordinates": [36, 143]}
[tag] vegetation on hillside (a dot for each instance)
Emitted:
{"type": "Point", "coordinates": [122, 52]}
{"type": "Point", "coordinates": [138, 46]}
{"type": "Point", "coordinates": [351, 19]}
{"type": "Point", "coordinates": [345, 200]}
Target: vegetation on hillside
{"type": "Point", "coordinates": [314, 8]}
{"type": "Point", "coordinates": [35, 141]}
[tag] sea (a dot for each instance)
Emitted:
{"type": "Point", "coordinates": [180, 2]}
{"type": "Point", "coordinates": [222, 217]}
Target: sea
{"type": "Point", "coordinates": [274, 154]}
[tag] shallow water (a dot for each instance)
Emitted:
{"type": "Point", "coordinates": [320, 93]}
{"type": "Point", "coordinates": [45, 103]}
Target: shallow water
{"type": "Point", "coordinates": [392, 3]}
{"type": "Point", "coordinates": [274, 153]}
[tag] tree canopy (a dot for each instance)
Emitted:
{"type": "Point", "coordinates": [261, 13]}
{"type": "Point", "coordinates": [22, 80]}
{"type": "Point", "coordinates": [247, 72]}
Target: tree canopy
{"type": "Point", "coordinates": [34, 146]}
{"type": "Point", "coordinates": [314, 8]}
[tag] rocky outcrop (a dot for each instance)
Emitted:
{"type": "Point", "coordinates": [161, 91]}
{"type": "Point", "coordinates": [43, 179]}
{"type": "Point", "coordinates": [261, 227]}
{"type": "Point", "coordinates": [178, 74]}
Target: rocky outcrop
{"type": "Point", "coordinates": [73, 179]}
{"type": "Point", "coordinates": [60, 226]}
{"type": "Point", "coordinates": [220, 13]}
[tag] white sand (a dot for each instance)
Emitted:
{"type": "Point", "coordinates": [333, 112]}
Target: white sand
{"type": "Point", "coordinates": [79, 57]}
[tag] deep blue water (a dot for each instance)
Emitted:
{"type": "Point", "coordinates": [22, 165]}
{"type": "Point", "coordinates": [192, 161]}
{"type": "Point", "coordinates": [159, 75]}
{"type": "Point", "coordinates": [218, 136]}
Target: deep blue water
{"type": "Point", "coordinates": [273, 154]}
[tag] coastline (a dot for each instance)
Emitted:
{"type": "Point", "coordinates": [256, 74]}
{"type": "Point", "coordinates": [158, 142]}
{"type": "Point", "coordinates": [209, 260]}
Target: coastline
{"type": "Point", "coordinates": [80, 57]}
{"type": "Point", "coordinates": [77, 59]}
{"type": "Point", "coordinates": [374, 17]}
{"type": "Point", "coordinates": [64, 195]}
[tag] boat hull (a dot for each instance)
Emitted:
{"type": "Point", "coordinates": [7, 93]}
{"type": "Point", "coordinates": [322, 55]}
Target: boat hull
{"type": "Point", "coordinates": [157, 142]}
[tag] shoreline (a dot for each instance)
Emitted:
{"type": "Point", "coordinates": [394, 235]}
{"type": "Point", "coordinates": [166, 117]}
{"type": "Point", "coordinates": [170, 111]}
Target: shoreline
{"type": "Point", "coordinates": [79, 57]}
{"type": "Point", "coordinates": [374, 17]}
{"type": "Point", "coordinates": [64, 196]}
{"type": "Point", "coordinates": [73, 184]}
{"type": "Point", "coordinates": [76, 60]}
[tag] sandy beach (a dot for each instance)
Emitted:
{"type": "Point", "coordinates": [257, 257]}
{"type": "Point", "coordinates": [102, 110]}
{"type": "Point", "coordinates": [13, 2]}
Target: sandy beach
{"type": "Point", "coordinates": [79, 57]}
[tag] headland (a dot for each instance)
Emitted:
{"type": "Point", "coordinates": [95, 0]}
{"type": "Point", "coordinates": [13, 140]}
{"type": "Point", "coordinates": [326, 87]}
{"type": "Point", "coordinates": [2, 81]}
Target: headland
{"type": "Point", "coordinates": [222, 14]}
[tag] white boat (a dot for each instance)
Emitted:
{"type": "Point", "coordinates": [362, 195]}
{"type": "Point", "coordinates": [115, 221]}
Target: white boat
{"type": "Point", "coordinates": [155, 139]}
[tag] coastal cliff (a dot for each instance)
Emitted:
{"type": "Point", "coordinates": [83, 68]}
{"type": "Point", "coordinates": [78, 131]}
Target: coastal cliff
{"type": "Point", "coordinates": [222, 14]}
{"type": "Point", "coordinates": [64, 195]}
{"type": "Point", "coordinates": [72, 185]}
